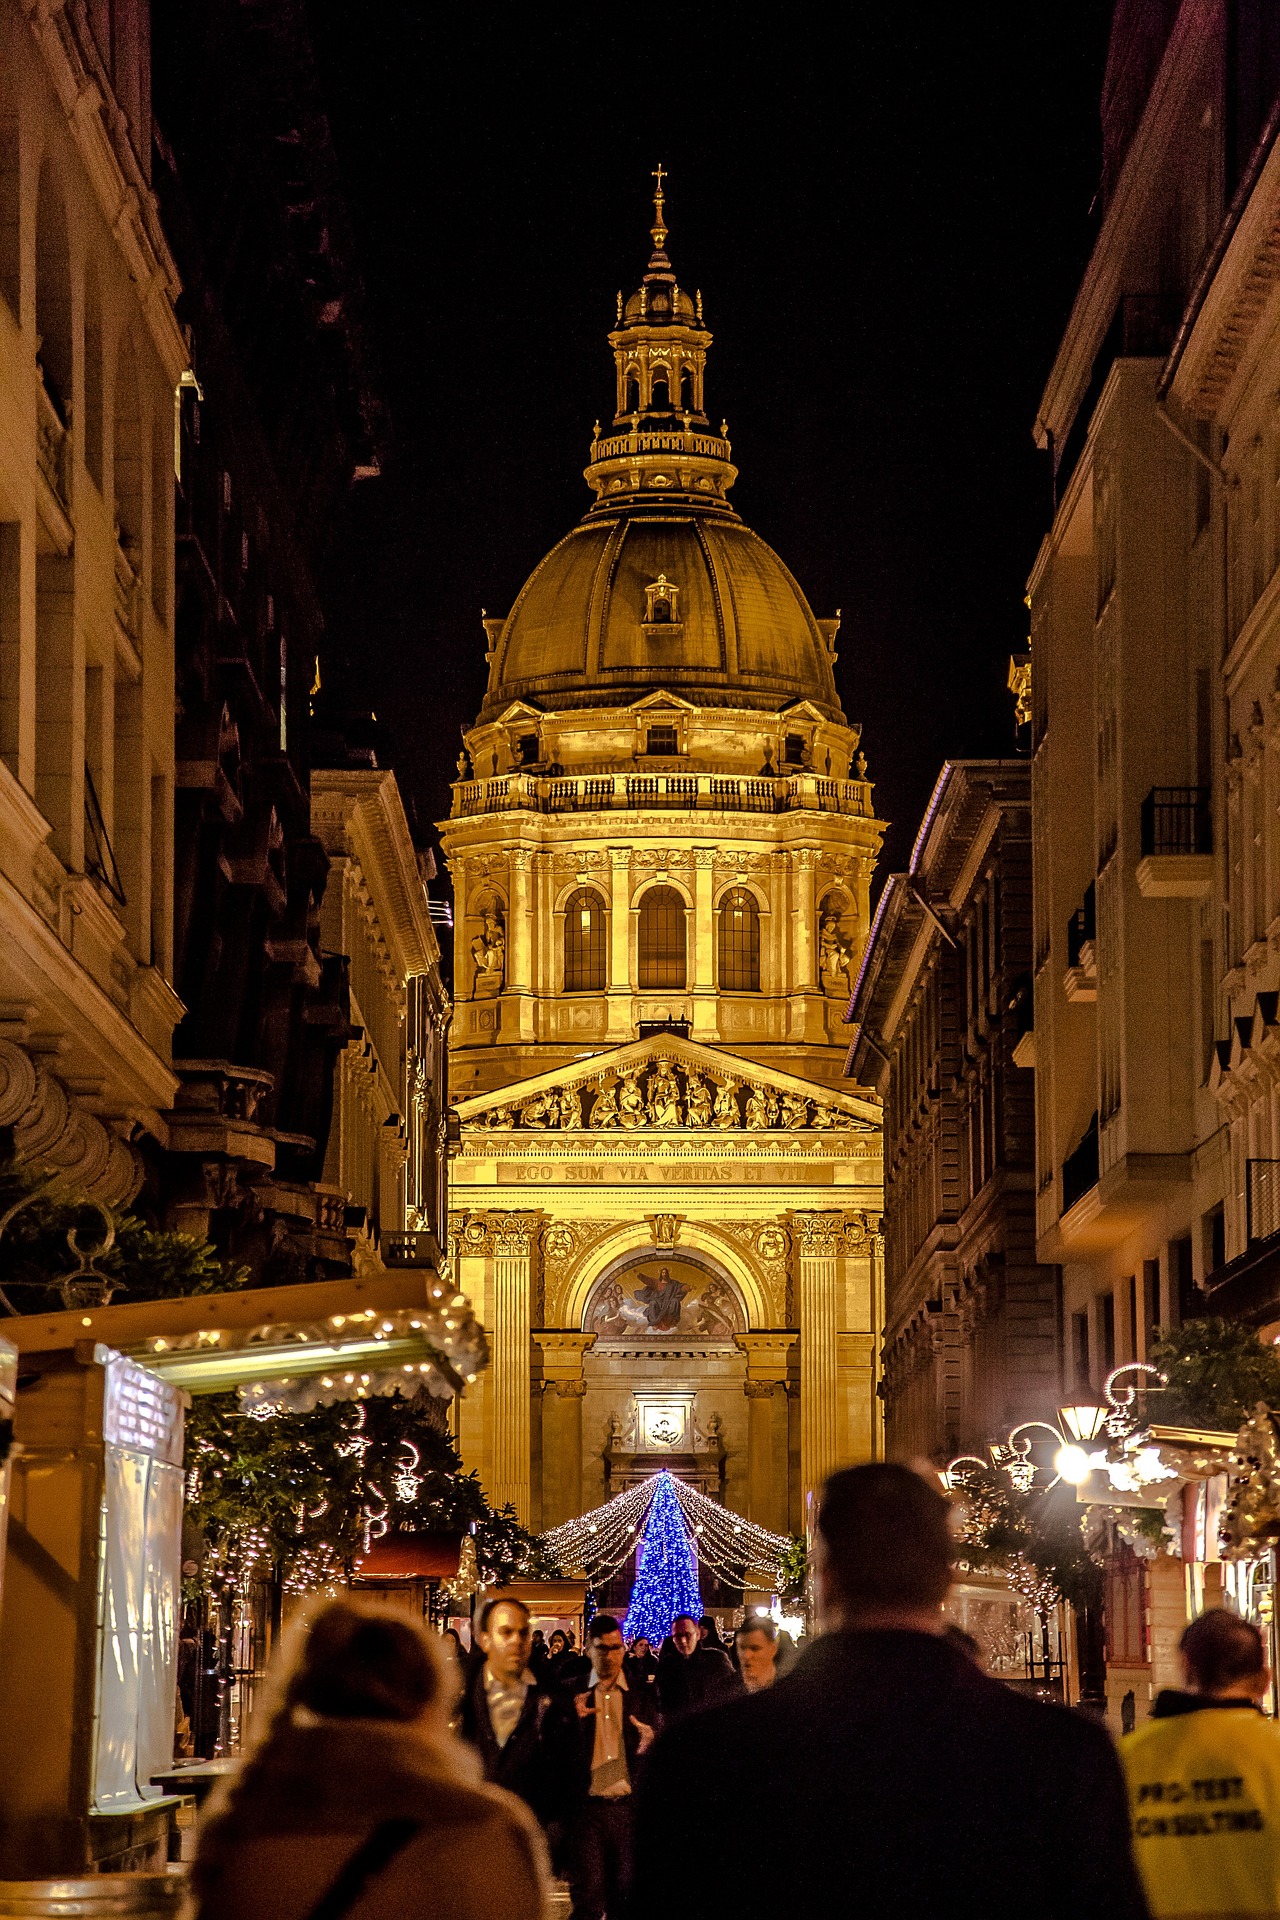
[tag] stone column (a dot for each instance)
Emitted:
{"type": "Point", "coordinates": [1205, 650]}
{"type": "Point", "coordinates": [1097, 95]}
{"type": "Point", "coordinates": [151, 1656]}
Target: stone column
{"type": "Point", "coordinates": [817, 1237]}
{"type": "Point", "coordinates": [563, 1391]}
{"type": "Point", "coordinates": [519, 933]}
{"type": "Point", "coordinates": [701, 975]}
{"type": "Point", "coordinates": [804, 913]}
{"type": "Point", "coordinates": [766, 1390]}
{"type": "Point", "coordinates": [513, 1241]}
{"type": "Point", "coordinates": [620, 1024]}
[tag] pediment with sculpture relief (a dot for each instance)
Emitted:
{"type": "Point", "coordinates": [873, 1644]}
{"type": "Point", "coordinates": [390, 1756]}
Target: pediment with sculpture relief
{"type": "Point", "coordinates": [666, 1084]}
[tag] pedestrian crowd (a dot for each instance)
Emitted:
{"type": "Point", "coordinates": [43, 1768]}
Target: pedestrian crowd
{"type": "Point", "coordinates": [880, 1770]}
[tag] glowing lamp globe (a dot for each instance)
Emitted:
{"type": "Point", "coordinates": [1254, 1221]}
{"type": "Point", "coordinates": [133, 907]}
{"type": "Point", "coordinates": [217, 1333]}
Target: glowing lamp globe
{"type": "Point", "coordinates": [1084, 1417]}
{"type": "Point", "coordinates": [1071, 1464]}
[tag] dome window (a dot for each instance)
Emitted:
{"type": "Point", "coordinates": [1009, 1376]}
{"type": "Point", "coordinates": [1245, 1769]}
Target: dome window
{"type": "Point", "coordinates": [527, 749]}
{"type": "Point", "coordinates": [661, 603]}
{"type": "Point", "coordinates": [662, 940]}
{"type": "Point", "coordinates": [738, 942]}
{"type": "Point", "coordinates": [585, 956]}
{"type": "Point", "coordinates": [793, 749]}
{"type": "Point", "coordinates": [663, 740]}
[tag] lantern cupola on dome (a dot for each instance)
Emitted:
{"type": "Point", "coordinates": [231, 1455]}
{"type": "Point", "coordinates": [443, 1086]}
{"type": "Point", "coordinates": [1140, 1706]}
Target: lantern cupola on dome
{"type": "Point", "coordinates": [660, 442]}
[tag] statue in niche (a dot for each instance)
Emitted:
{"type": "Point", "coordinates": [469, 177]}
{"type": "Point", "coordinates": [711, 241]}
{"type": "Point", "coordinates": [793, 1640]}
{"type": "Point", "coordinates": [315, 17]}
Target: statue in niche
{"type": "Point", "coordinates": [762, 1109]}
{"type": "Point", "coordinates": [604, 1108]}
{"type": "Point", "coordinates": [724, 1112]}
{"type": "Point", "coordinates": [834, 953]}
{"type": "Point", "coordinates": [570, 1107]}
{"type": "Point", "coordinates": [542, 1111]}
{"type": "Point", "coordinates": [793, 1111]}
{"type": "Point", "coordinates": [664, 1097]}
{"type": "Point", "coordinates": [489, 956]}
{"type": "Point", "coordinates": [697, 1101]}
{"type": "Point", "coordinates": [631, 1110]}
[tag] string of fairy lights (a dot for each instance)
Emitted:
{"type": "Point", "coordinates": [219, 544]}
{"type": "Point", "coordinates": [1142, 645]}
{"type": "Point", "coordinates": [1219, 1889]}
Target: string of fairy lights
{"type": "Point", "coordinates": [597, 1543]}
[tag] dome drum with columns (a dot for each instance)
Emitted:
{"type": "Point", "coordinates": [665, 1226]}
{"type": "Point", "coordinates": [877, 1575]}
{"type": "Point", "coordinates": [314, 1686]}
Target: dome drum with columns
{"type": "Point", "coordinates": [661, 843]}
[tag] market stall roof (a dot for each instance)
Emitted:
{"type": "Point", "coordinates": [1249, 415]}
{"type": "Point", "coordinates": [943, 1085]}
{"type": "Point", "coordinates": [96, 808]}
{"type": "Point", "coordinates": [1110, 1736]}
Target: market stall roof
{"type": "Point", "coordinates": [411, 1556]}
{"type": "Point", "coordinates": [286, 1346]}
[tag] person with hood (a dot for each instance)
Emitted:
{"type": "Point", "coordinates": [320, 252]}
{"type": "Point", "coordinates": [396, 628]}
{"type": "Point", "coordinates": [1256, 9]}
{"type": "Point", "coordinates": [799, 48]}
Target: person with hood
{"type": "Point", "coordinates": [357, 1803]}
{"type": "Point", "coordinates": [1204, 1781]}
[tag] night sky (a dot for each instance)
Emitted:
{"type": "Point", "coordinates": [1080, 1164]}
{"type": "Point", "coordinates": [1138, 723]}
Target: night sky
{"type": "Point", "coordinates": [887, 217]}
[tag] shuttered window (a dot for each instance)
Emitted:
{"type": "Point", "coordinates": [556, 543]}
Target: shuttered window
{"type": "Point", "coordinates": [738, 946]}
{"type": "Point", "coordinates": [662, 939]}
{"type": "Point", "coordinates": [585, 953]}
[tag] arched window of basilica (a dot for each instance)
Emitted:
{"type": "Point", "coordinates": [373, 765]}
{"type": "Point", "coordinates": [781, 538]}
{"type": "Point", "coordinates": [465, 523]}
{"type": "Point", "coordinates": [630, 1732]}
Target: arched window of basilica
{"type": "Point", "coordinates": [585, 945]}
{"type": "Point", "coordinates": [738, 942]}
{"type": "Point", "coordinates": [662, 939]}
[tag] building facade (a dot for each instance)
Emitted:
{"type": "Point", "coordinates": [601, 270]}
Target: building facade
{"type": "Point", "coordinates": [661, 846]}
{"type": "Point", "coordinates": [941, 1011]}
{"type": "Point", "coordinates": [1151, 688]}
{"type": "Point", "coordinates": [386, 1150]}
{"type": "Point", "coordinates": [90, 356]}
{"type": "Point", "coordinates": [274, 426]}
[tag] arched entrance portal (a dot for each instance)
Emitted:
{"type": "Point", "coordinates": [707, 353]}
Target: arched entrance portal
{"type": "Point", "coordinates": [664, 1375]}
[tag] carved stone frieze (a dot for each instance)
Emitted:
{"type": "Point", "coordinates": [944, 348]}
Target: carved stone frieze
{"type": "Point", "coordinates": [665, 1228]}
{"type": "Point", "coordinates": [669, 1094]}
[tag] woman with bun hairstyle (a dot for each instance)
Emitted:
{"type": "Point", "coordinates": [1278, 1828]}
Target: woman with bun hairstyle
{"type": "Point", "coordinates": [358, 1802]}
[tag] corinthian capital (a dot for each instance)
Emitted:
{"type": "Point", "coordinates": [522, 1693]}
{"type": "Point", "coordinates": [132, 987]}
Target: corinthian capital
{"type": "Point", "coordinates": [818, 1234]}
{"type": "Point", "coordinates": [513, 1234]}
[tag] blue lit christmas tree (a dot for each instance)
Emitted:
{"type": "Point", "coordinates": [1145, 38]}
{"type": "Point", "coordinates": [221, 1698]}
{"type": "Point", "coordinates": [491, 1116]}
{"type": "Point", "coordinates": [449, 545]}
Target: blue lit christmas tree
{"type": "Point", "coordinates": [666, 1571]}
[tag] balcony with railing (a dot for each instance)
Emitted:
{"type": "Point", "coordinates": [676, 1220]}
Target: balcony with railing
{"type": "Point", "coordinates": [53, 460]}
{"type": "Point", "coordinates": [1177, 844]}
{"type": "Point", "coordinates": [1081, 982]}
{"type": "Point", "coordinates": [658, 792]}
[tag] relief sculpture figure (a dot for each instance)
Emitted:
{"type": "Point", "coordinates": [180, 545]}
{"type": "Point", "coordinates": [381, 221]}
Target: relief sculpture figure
{"type": "Point", "coordinates": [664, 1097]}
{"type": "Point", "coordinates": [604, 1108]}
{"type": "Point", "coordinates": [697, 1101]}
{"type": "Point", "coordinates": [725, 1110]}
{"type": "Point", "coordinates": [793, 1110]}
{"type": "Point", "coordinates": [631, 1111]}
{"type": "Point", "coordinates": [542, 1110]}
{"type": "Point", "coordinates": [762, 1109]}
{"type": "Point", "coordinates": [570, 1107]}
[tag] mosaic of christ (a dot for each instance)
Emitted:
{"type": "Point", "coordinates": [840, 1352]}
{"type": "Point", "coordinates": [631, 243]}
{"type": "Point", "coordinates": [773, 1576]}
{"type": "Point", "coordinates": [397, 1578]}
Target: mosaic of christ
{"type": "Point", "coordinates": [663, 1299]}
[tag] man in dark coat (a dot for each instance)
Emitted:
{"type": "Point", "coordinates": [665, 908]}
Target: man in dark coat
{"type": "Point", "coordinates": [885, 1776]}
{"type": "Point", "coordinates": [517, 1727]}
{"type": "Point", "coordinates": [692, 1675]}
{"type": "Point", "coordinates": [615, 1725]}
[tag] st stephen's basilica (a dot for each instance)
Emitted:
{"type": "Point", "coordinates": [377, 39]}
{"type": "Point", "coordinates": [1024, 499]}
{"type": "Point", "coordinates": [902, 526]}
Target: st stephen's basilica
{"type": "Point", "coordinates": [664, 1205]}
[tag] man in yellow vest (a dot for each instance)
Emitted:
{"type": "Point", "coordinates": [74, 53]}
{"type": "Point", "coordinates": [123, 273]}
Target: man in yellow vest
{"type": "Point", "coordinates": [1204, 1782]}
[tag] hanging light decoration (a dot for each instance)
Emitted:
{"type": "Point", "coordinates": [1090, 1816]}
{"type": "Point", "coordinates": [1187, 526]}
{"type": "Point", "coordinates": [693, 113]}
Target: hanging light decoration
{"type": "Point", "coordinates": [597, 1543]}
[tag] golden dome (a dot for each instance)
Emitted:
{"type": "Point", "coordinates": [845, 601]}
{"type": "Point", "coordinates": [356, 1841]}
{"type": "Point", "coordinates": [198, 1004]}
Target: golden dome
{"type": "Point", "coordinates": [661, 585]}
{"type": "Point", "coordinates": [739, 631]}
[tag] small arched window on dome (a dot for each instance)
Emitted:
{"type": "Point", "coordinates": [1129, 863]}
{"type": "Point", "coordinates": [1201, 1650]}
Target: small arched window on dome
{"type": "Point", "coordinates": [585, 943]}
{"type": "Point", "coordinates": [662, 940]}
{"type": "Point", "coordinates": [660, 389]}
{"type": "Point", "coordinates": [738, 942]}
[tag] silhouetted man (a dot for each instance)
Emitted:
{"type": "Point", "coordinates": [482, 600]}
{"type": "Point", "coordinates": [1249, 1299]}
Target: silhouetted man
{"type": "Point", "coordinates": [691, 1675]}
{"type": "Point", "coordinates": [1204, 1780]}
{"type": "Point", "coordinates": [885, 1776]}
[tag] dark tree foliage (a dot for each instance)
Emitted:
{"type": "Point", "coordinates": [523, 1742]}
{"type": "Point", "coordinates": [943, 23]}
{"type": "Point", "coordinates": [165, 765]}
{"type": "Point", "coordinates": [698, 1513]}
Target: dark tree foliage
{"type": "Point", "coordinates": [1040, 1529]}
{"type": "Point", "coordinates": [1217, 1371]}
{"type": "Point", "coordinates": [144, 1263]}
{"type": "Point", "coordinates": [309, 1484]}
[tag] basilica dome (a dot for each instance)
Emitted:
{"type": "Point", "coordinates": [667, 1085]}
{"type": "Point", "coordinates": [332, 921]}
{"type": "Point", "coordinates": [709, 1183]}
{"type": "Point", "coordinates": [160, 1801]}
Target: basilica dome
{"type": "Point", "coordinates": [661, 585]}
{"type": "Point", "coordinates": [732, 628]}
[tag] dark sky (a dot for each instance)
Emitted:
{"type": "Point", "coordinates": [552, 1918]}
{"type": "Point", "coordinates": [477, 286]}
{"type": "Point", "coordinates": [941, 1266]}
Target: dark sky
{"type": "Point", "coordinates": [887, 211]}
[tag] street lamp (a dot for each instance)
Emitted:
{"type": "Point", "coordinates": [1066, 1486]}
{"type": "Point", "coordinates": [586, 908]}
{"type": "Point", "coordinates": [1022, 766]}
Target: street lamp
{"type": "Point", "coordinates": [1085, 1416]}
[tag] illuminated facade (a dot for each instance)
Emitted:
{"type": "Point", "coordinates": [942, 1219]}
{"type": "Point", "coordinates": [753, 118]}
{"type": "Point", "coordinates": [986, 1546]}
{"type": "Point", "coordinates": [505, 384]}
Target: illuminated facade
{"type": "Point", "coordinates": [665, 1204]}
{"type": "Point", "coordinates": [90, 356]}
